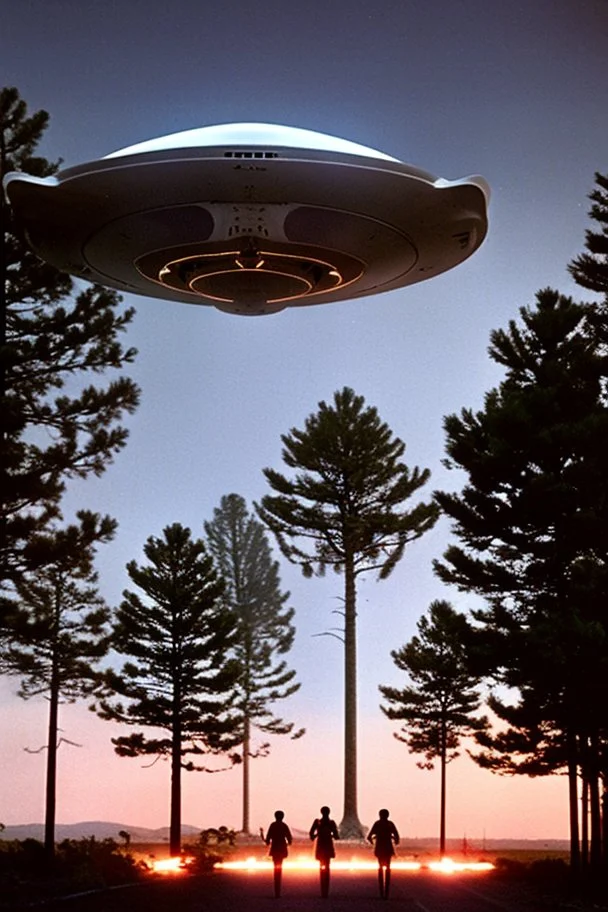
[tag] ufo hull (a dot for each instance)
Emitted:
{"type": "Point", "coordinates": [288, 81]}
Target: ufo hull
{"type": "Point", "coordinates": [250, 229]}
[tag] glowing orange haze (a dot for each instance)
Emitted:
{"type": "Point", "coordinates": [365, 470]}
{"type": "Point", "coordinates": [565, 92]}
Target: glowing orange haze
{"type": "Point", "coordinates": [306, 864]}
{"type": "Point", "coordinates": [303, 863]}
{"type": "Point", "coordinates": [299, 777]}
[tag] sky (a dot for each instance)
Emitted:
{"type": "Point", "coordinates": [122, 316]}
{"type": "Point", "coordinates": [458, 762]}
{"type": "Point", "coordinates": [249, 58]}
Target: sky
{"type": "Point", "coordinates": [515, 92]}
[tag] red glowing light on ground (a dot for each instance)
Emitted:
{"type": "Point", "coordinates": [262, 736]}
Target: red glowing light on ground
{"type": "Point", "coordinates": [302, 863]}
{"type": "Point", "coordinates": [447, 866]}
{"type": "Point", "coordinates": [176, 865]}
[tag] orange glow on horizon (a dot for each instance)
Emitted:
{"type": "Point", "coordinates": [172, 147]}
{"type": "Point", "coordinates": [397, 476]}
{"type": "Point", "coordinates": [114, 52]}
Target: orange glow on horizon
{"type": "Point", "coordinates": [303, 863]}
{"type": "Point", "coordinates": [447, 866]}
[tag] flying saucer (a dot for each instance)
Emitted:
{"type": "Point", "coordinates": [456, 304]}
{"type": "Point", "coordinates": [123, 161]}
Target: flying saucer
{"type": "Point", "coordinates": [250, 218]}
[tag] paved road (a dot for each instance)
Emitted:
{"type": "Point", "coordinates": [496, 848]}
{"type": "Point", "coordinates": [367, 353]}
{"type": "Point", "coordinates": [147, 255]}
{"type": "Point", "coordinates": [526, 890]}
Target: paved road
{"type": "Point", "coordinates": [350, 892]}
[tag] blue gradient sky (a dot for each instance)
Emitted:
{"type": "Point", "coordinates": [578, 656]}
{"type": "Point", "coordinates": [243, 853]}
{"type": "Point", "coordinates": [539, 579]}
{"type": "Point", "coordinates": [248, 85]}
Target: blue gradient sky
{"type": "Point", "coordinates": [515, 92]}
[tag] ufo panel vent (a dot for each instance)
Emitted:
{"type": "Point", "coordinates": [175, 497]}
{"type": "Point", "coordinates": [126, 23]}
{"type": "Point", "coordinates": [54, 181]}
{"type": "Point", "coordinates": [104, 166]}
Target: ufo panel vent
{"type": "Point", "coordinates": [257, 153]}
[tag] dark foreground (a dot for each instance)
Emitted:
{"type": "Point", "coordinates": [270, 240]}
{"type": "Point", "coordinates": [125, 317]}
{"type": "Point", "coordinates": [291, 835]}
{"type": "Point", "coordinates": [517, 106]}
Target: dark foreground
{"type": "Point", "coordinates": [350, 892]}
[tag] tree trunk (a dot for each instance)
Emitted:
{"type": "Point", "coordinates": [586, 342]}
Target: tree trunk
{"type": "Point", "coordinates": [246, 749]}
{"type": "Point", "coordinates": [575, 849]}
{"type": "Point", "coordinates": [350, 827]}
{"type": "Point", "coordinates": [442, 808]}
{"type": "Point", "coordinates": [605, 825]}
{"type": "Point", "coordinates": [584, 822]}
{"type": "Point", "coordinates": [175, 826]}
{"type": "Point", "coordinates": [595, 856]}
{"type": "Point", "coordinates": [51, 766]}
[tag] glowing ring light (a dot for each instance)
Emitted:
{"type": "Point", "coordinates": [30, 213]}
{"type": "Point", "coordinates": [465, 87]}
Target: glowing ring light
{"type": "Point", "coordinates": [250, 218]}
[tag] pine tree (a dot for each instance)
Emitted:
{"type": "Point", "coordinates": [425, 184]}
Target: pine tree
{"type": "Point", "coordinates": [437, 709]}
{"type": "Point", "coordinates": [590, 269]}
{"type": "Point", "coordinates": [62, 631]}
{"type": "Point", "coordinates": [54, 338]}
{"type": "Point", "coordinates": [239, 546]}
{"type": "Point", "coordinates": [533, 527]}
{"type": "Point", "coordinates": [178, 676]}
{"type": "Point", "coordinates": [344, 509]}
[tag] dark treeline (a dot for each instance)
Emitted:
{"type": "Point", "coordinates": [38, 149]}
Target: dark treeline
{"type": "Point", "coordinates": [202, 635]}
{"type": "Point", "coordinates": [531, 525]}
{"type": "Point", "coordinates": [204, 629]}
{"type": "Point", "coordinates": [532, 530]}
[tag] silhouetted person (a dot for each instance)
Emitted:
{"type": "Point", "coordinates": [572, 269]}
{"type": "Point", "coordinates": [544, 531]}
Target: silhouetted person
{"type": "Point", "coordinates": [384, 837]}
{"type": "Point", "coordinates": [278, 838]}
{"type": "Point", "coordinates": [325, 831]}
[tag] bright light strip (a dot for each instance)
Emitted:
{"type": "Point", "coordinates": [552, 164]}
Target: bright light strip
{"type": "Point", "coordinates": [447, 866]}
{"type": "Point", "coordinates": [235, 253]}
{"type": "Point", "coordinates": [272, 272]}
{"type": "Point", "coordinates": [305, 863]}
{"type": "Point", "coordinates": [253, 865]}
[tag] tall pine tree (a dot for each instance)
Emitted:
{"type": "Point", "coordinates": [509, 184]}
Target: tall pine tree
{"type": "Point", "coordinates": [533, 529]}
{"type": "Point", "coordinates": [439, 707]}
{"type": "Point", "coordinates": [345, 508]}
{"type": "Point", "coordinates": [56, 338]}
{"type": "Point", "coordinates": [239, 546]}
{"type": "Point", "coordinates": [178, 676]}
{"type": "Point", "coordinates": [590, 269]}
{"type": "Point", "coordinates": [62, 631]}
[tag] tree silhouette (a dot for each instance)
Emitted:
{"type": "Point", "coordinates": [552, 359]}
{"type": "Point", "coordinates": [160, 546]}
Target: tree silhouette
{"type": "Point", "coordinates": [534, 533]}
{"type": "Point", "coordinates": [437, 709]}
{"type": "Point", "coordinates": [54, 338]}
{"type": "Point", "coordinates": [344, 508]}
{"type": "Point", "coordinates": [239, 546]}
{"type": "Point", "coordinates": [590, 269]}
{"type": "Point", "coordinates": [178, 676]}
{"type": "Point", "coordinates": [62, 631]}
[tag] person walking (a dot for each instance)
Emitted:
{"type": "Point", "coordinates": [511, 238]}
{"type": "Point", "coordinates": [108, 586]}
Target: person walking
{"type": "Point", "coordinates": [325, 831]}
{"type": "Point", "coordinates": [278, 837]}
{"type": "Point", "coordinates": [384, 837]}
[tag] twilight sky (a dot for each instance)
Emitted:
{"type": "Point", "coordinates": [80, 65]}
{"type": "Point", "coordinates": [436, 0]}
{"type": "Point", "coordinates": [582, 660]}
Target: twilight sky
{"type": "Point", "coordinates": [515, 92]}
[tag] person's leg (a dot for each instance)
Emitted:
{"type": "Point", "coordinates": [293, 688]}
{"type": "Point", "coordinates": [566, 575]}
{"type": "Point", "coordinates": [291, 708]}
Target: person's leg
{"type": "Point", "coordinates": [381, 880]}
{"type": "Point", "coordinates": [278, 871]}
{"type": "Point", "coordinates": [387, 879]}
{"type": "Point", "coordinates": [324, 879]}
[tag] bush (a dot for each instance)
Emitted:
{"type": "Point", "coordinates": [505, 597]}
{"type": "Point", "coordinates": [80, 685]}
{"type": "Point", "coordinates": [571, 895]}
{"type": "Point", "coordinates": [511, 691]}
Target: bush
{"type": "Point", "coordinates": [213, 845]}
{"type": "Point", "coordinates": [91, 862]}
{"type": "Point", "coordinates": [27, 875]}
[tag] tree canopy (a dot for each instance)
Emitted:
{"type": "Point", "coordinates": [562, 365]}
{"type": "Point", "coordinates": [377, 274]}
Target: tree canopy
{"type": "Point", "coordinates": [590, 268]}
{"type": "Point", "coordinates": [344, 507]}
{"type": "Point", "coordinates": [178, 676]}
{"type": "Point", "coordinates": [533, 531]}
{"type": "Point", "coordinates": [61, 631]}
{"type": "Point", "coordinates": [239, 546]}
{"type": "Point", "coordinates": [438, 708]}
{"type": "Point", "coordinates": [59, 419]}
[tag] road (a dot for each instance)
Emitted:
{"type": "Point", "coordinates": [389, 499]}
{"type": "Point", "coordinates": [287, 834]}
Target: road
{"type": "Point", "coordinates": [350, 892]}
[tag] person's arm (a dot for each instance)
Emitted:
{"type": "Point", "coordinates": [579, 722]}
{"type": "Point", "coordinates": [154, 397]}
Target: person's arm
{"type": "Point", "coordinates": [313, 829]}
{"type": "Point", "coordinates": [288, 836]}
